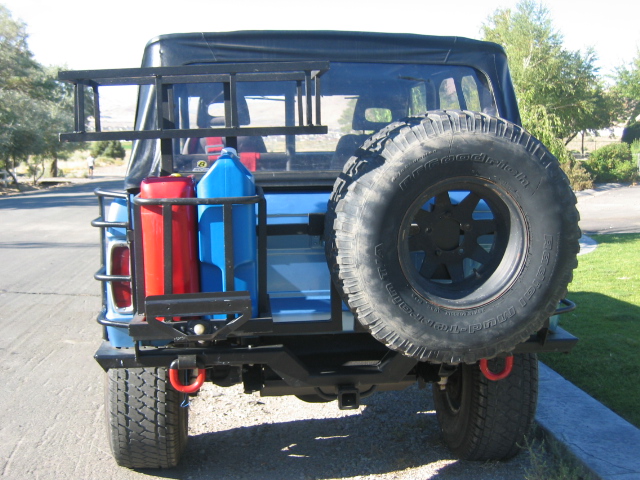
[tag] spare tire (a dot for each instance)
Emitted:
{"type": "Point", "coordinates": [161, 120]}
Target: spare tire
{"type": "Point", "coordinates": [452, 236]}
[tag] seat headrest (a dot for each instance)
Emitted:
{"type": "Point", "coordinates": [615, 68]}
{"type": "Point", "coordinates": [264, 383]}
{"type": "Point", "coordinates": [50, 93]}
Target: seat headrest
{"type": "Point", "coordinates": [205, 119]}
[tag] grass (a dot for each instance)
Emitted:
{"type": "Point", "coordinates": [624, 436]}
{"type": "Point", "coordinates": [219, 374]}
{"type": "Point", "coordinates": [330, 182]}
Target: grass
{"type": "Point", "coordinates": [605, 363]}
{"type": "Point", "coordinates": [550, 461]}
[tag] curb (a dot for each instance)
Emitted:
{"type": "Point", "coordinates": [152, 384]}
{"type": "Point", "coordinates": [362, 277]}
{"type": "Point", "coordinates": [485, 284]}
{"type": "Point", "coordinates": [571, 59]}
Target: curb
{"type": "Point", "coordinates": [600, 188]}
{"type": "Point", "coordinates": [587, 245]}
{"type": "Point", "coordinates": [602, 442]}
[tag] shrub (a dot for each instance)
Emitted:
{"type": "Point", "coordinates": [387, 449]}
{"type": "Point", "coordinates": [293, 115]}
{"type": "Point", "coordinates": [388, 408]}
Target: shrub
{"type": "Point", "coordinates": [613, 163]}
{"type": "Point", "coordinates": [108, 148]}
{"type": "Point", "coordinates": [579, 177]}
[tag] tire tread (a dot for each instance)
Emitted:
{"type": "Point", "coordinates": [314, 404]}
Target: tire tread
{"type": "Point", "coordinates": [147, 427]}
{"type": "Point", "coordinates": [499, 416]}
{"type": "Point", "coordinates": [359, 177]}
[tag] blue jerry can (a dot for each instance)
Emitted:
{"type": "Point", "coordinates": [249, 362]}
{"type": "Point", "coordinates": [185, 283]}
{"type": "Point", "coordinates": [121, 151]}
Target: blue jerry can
{"type": "Point", "coordinates": [228, 177]}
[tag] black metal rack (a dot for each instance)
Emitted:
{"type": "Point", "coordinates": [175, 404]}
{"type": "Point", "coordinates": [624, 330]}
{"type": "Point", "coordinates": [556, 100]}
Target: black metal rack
{"type": "Point", "coordinates": [306, 75]}
{"type": "Point", "coordinates": [172, 305]}
{"type": "Point", "coordinates": [235, 304]}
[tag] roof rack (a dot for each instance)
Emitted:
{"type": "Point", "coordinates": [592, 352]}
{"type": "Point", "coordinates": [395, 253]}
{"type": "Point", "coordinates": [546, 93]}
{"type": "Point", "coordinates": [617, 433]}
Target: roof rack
{"type": "Point", "coordinates": [164, 79]}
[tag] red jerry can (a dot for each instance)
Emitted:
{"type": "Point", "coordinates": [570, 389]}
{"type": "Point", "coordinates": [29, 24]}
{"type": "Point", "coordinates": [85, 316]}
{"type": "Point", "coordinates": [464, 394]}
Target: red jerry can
{"type": "Point", "coordinates": [184, 233]}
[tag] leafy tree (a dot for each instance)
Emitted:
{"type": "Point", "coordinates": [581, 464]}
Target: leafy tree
{"type": "Point", "coordinates": [17, 69]}
{"type": "Point", "coordinates": [555, 84]}
{"type": "Point", "coordinates": [59, 106]}
{"type": "Point", "coordinates": [34, 106]}
{"type": "Point", "coordinates": [627, 85]}
{"type": "Point", "coordinates": [16, 61]}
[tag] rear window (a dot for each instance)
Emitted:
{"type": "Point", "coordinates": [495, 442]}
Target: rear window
{"type": "Point", "coordinates": [358, 99]}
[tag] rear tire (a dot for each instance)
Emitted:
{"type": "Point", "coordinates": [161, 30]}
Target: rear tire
{"type": "Point", "coordinates": [482, 419]}
{"type": "Point", "coordinates": [147, 426]}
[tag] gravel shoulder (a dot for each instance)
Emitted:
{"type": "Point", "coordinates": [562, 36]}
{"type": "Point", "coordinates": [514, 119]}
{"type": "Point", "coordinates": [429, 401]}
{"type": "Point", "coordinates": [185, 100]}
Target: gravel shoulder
{"type": "Point", "coordinates": [393, 436]}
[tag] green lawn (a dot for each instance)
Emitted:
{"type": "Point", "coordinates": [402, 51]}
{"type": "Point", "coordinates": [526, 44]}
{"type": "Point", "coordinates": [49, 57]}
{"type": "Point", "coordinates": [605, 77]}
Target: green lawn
{"type": "Point", "coordinates": [606, 361]}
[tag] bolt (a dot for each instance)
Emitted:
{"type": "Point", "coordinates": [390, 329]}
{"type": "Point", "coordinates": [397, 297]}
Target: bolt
{"type": "Point", "coordinates": [442, 383]}
{"type": "Point", "coordinates": [461, 251]}
{"type": "Point", "coordinates": [438, 252]}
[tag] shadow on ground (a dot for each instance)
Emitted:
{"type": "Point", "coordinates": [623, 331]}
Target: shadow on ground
{"type": "Point", "coordinates": [395, 432]}
{"type": "Point", "coordinates": [80, 194]}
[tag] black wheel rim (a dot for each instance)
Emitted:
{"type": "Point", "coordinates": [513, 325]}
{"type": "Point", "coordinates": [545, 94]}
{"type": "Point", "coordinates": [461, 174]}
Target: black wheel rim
{"type": "Point", "coordinates": [452, 393]}
{"type": "Point", "coordinates": [462, 243]}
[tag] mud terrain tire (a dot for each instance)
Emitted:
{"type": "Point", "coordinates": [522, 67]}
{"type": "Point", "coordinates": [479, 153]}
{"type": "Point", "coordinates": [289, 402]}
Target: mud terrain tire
{"type": "Point", "coordinates": [147, 426]}
{"type": "Point", "coordinates": [452, 236]}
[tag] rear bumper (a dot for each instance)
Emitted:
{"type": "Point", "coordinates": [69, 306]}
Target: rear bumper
{"type": "Point", "coordinates": [354, 345]}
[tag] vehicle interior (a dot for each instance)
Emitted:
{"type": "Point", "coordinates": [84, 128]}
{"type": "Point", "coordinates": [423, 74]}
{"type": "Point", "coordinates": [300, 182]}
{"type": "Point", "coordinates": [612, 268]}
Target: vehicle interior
{"type": "Point", "coordinates": [358, 100]}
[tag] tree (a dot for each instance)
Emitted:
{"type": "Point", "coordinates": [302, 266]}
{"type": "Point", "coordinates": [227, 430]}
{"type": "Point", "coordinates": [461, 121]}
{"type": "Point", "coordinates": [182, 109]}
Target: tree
{"type": "Point", "coordinates": [59, 105]}
{"type": "Point", "coordinates": [18, 137]}
{"type": "Point", "coordinates": [34, 106]}
{"type": "Point", "coordinates": [17, 69]}
{"type": "Point", "coordinates": [627, 85]}
{"type": "Point", "coordinates": [16, 61]}
{"type": "Point", "coordinates": [551, 82]}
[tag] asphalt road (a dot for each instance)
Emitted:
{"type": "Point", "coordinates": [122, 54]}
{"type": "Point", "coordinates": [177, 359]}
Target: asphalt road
{"type": "Point", "coordinates": [51, 405]}
{"type": "Point", "coordinates": [610, 208]}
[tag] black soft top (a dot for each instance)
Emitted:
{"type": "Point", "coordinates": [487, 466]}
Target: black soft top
{"type": "Point", "coordinates": [264, 46]}
{"type": "Point", "coordinates": [273, 46]}
{"type": "Point", "coordinates": [276, 46]}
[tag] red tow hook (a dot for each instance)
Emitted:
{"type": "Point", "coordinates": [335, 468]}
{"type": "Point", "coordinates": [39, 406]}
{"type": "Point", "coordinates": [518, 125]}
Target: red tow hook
{"type": "Point", "coordinates": [508, 366]}
{"type": "Point", "coordinates": [191, 388]}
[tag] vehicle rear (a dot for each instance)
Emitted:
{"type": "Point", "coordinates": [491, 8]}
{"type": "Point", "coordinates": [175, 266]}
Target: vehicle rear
{"type": "Point", "coordinates": [237, 250]}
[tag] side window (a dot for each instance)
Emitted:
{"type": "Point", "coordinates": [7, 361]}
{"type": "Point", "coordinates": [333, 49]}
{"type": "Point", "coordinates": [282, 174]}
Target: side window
{"type": "Point", "coordinates": [418, 101]}
{"type": "Point", "coordinates": [448, 95]}
{"type": "Point", "coordinates": [470, 93]}
{"type": "Point", "coordinates": [461, 93]}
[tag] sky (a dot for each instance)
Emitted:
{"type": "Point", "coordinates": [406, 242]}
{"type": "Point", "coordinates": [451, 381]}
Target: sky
{"type": "Point", "coordinates": [112, 33]}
